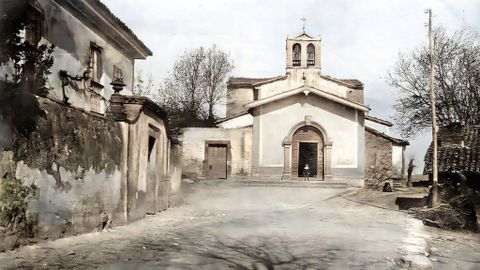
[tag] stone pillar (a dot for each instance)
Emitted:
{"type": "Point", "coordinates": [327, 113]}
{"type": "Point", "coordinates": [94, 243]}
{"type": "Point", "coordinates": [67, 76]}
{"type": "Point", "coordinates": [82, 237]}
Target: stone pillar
{"type": "Point", "coordinates": [328, 161]}
{"type": "Point", "coordinates": [286, 161]}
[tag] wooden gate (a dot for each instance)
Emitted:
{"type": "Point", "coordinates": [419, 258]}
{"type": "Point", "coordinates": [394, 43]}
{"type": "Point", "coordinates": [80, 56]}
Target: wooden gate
{"type": "Point", "coordinates": [217, 161]}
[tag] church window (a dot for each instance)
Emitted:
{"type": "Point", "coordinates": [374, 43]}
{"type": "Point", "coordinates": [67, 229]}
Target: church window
{"type": "Point", "coordinates": [310, 55]}
{"type": "Point", "coordinates": [297, 52]}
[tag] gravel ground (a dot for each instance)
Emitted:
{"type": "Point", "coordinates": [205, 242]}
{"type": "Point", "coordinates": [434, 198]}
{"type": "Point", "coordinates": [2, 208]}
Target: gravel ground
{"type": "Point", "coordinates": [221, 226]}
{"type": "Point", "coordinates": [448, 250]}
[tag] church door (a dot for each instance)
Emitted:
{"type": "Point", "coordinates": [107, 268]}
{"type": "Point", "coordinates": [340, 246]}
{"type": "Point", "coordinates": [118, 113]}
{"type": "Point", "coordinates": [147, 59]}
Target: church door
{"type": "Point", "coordinates": [307, 148]}
{"type": "Point", "coordinates": [307, 155]}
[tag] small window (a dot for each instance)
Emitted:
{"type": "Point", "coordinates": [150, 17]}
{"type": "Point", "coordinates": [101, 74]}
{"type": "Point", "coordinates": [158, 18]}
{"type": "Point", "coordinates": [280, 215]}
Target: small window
{"type": "Point", "coordinates": [297, 54]}
{"type": "Point", "coordinates": [151, 144]}
{"type": "Point", "coordinates": [33, 32]}
{"type": "Point", "coordinates": [310, 55]}
{"type": "Point", "coordinates": [96, 63]}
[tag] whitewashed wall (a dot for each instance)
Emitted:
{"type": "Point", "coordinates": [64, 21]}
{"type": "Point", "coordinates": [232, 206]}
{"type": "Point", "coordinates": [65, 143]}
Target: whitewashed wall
{"type": "Point", "coordinates": [193, 149]}
{"type": "Point", "coordinates": [72, 40]}
{"type": "Point", "coordinates": [344, 128]}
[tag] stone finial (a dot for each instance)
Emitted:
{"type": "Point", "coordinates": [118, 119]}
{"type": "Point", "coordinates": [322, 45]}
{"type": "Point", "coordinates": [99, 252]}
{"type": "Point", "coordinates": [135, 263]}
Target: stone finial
{"type": "Point", "coordinates": [117, 85]}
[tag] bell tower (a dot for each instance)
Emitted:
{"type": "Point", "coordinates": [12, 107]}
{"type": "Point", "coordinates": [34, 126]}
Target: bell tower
{"type": "Point", "coordinates": [303, 54]}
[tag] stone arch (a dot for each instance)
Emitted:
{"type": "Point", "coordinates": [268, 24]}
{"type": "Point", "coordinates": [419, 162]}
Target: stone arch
{"type": "Point", "coordinates": [291, 147]}
{"type": "Point", "coordinates": [310, 55]}
{"type": "Point", "coordinates": [308, 147]}
{"type": "Point", "coordinates": [288, 138]}
{"type": "Point", "coordinates": [297, 54]}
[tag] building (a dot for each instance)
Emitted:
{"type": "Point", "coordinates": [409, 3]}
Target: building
{"type": "Point", "coordinates": [458, 169]}
{"type": "Point", "coordinates": [275, 126]}
{"type": "Point", "coordinates": [385, 155]}
{"type": "Point", "coordinates": [94, 145]}
{"type": "Point", "coordinates": [458, 153]}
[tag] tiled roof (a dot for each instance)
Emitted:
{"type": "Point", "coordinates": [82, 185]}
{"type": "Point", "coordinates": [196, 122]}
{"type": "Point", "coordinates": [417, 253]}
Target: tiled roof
{"type": "Point", "coordinates": [250, 82]}
{"type": "Point", "coordinates": [122, 24]}
{"type": "Point", "coordinates": [353, 83]}
{"type": "Point", "coordinates": [458, 150]}
{"type": "Point", "coordinates": [390, 138]}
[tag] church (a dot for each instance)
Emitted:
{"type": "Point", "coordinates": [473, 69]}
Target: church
{"type": "Point", "coordinates": [276, 128]}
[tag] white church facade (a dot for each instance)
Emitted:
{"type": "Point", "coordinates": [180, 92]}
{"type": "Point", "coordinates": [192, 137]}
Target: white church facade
{"type": "Point", "coordinates": [275, 127]}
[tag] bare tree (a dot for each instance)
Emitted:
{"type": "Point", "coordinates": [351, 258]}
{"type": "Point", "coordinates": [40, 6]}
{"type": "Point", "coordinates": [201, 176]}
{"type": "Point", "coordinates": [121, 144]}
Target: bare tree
{"type": "Point", "coordinates": [195, 86]}
{"type": "Point", "coordinates": [144, 86]}
{"type": "Point", "coordinates": [187, 78]}
{"type": "Point", "coordinates": [216, 67]}
{"type": "Point", "coordinates": [457, 80]}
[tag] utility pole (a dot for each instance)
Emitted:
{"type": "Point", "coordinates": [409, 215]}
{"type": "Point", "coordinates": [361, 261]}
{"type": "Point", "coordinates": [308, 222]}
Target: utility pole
{"type": "Point", "coordinates": [434, 199]}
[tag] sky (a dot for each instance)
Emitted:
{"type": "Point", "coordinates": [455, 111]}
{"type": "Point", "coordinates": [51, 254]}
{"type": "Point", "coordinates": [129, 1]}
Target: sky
{"type": "Point", "coordinates": [360, 39]}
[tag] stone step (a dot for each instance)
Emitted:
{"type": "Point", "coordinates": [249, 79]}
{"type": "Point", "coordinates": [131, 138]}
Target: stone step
{"type": "Point", "coordinates": [283, 183]}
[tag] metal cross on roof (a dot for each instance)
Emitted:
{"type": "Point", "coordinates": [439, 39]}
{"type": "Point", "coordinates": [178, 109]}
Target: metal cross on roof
{"type": "Point", "coordinates": [303, 28]}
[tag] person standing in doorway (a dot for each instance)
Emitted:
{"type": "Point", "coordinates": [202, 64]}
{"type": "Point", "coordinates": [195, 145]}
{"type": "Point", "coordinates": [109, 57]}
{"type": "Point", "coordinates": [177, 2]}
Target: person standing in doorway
{"type": "Point", "coordinates": [306, 172]}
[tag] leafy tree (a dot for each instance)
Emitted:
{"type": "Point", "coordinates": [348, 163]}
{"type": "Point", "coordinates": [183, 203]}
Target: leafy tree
{"type": "Point", "coordinates": [25, 65]}
{"type": "Point", "coordinates": [14, 201]}
{"type": "Point", "coordinates": [457, 82]}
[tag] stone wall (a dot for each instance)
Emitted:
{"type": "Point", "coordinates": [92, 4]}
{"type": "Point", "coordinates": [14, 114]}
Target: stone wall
{"type": "Point", "coordinates": [378, 160]}
{"type": "Point", "coordinates": [147, 154]}
{"type": "Point", "coordinates": [82, 163]}
{"type": "Point", "coordinates": [74, 159]}
{"type": "Point", "coordinates": [355, 95]}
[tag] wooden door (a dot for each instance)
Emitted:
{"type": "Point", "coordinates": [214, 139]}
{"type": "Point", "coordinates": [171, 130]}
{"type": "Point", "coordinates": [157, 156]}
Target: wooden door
{"type": "Point", "coordinates": [308, 153]}
{"type": "Point", "coordinates": [217, 161]}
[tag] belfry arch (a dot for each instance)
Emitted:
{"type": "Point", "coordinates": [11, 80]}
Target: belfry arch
{"type": "Point", "coordinates": [307, 143]}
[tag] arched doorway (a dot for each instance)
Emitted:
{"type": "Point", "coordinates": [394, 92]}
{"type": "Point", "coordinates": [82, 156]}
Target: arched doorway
{"type": "Point", "coordinates": [308, 148]}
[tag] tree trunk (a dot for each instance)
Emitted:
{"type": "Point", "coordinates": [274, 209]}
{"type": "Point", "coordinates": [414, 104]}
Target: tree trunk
{"type": "Point", "coordinates": [56, 175]}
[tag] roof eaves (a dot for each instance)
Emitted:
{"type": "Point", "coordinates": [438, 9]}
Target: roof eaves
{"type": "Point", "coordinates": [344, 82]}
{"type": "Point", "coordinates": [274, 79]}
{"type": "Point", "coordinates": [244, 82]}
{"type": "Point", "coordinates": [392, 139]}
{"type": "Point", "coordinates": [219, 121]}
{"type": "Point", "coordinates": [308, 89]}
{"type": "Point", "coordinates": [378, 120]}
{"type": "Point", "coordinates": [143, 50]}
{"type": "Point", "coordinates": [97, 16]}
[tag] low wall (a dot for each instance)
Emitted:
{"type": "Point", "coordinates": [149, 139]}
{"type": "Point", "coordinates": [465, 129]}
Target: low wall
{"type": "Point", "coordinates": [193, 152]}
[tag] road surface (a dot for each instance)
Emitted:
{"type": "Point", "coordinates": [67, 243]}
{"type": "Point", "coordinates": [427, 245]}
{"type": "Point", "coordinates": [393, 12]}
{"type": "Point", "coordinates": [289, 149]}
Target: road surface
{"type": "Point", "coordinates": [235, 226]}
